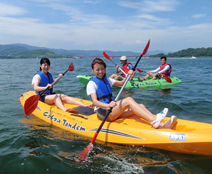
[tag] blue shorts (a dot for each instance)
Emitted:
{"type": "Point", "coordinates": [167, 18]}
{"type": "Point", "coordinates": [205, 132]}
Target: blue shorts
{"type": "Point", "coordinates": [42, 98]}
{"type": "Point", "coordinates": [101, 113]}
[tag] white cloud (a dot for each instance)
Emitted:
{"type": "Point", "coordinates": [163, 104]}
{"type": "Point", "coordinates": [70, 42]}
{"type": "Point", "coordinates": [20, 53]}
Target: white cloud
{"type": "Point", "coordinates": [153, 18]}
{"type": "Point", "coordinates": [150, 5]}
{"type": "Point", "coordinates": [196, 16]}
{"type": "Point", "coordinates": [6, 10]}
{"type": "Point", "coordinates": [161, 5]}
{"type": "Point", "coordinates": [98, 31]}
{"type": "Point", "coordinates": [90, 2]}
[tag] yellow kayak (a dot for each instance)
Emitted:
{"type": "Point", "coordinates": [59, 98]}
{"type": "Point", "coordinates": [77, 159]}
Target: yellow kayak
{"type": "Point", "coordinates": [186, 137]}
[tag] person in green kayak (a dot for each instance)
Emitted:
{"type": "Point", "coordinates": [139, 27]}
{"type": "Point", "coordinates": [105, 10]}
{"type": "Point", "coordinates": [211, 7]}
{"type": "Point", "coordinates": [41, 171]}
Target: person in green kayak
{"type": "Point", "coordinates": [44, 79]}
{"type": "Point", "coordinates": [126, 66]}
{"type": "Point", "coordinates": [99, 89]}
{"type": "Point", "coordinates": [164, 70]}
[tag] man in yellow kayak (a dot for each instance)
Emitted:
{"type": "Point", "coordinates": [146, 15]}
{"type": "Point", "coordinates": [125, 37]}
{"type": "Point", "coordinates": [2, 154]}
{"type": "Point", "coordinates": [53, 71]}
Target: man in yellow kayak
{"type": "Point", "coordinates": [126, 66]}
{"type": "Point", "coordinates": [164, 70]}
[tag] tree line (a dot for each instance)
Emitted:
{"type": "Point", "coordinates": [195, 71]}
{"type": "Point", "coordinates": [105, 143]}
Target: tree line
{"type": "Point", "coordinates": [197, 52]}
{"type": "Point", "coordinates": [26, 51]}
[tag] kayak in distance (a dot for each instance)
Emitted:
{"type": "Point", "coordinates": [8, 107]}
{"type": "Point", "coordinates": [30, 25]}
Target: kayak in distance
{"type": "Point", "coordinates": [135, 83]}
{"type": "Point", "coordinates": [185, 137]}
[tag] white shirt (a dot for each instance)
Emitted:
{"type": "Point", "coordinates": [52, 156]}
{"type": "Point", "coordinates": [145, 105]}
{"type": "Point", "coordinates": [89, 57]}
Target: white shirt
{"type": "Point", "coordinates": [36, 78]}
{"type": "Point", "coordinates": [92, 87]}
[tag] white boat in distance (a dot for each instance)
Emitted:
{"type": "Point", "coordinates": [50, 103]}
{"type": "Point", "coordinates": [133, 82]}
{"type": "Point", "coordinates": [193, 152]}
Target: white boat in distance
{"type": "Point", "coordinates": [193, 57]}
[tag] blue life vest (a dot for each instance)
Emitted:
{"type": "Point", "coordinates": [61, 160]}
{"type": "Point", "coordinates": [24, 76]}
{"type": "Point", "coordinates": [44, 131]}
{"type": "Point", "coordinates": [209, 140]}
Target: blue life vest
{"type": "Point", "coordinates": [103, 92]}
{"type": "Point", "coordinates": [45, 80]}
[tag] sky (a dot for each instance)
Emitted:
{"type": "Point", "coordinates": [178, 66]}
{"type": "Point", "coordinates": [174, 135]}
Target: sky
{"type": "Point", "coordinates": [116, 25]}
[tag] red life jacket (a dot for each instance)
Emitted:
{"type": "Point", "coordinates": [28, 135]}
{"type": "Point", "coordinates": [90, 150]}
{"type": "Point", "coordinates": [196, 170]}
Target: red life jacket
{"type": "Point", "coordinates": [167, 73]}
{"type": "Point", "coordinates": [125, 69]}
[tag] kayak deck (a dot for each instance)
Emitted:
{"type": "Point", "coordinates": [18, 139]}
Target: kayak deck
{"type": "Point", "coordinates": [135, 83]}
{"type": "Point", "coordinates": [185, 137]}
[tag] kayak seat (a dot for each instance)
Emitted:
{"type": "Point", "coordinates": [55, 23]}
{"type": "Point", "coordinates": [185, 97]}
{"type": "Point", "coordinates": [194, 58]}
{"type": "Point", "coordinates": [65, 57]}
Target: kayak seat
{"type": "Point", "coordinates": [84, 110]}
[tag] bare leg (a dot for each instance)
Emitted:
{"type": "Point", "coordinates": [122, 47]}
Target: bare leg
{"type": "Point", "coordinates": [71, 100]}
{"type": "Point", "coordinates": [113, 76]}
{"type": "Point", "coordinates": [128, 107]}
{"type": "Point", "coordinates": [134, 108]}
{"type": "Point", "coordinates": [154, 78]}
{"type": "Point", "coordinates": [147, 76]}
{"type": "Point", "coordinates": [59, 99]}
{"type": "Point", "coordinates": [56, 98]}
{"type": "Point", "coordinates": [116, 77]}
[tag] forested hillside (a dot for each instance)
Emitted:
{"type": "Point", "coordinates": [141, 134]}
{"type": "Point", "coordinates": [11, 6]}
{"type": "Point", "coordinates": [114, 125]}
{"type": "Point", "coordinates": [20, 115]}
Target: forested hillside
{"type": "Point", "coordinates": [197, 52]}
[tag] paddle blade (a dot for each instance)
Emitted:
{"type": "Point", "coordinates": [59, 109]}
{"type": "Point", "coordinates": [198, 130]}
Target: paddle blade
{"type": "Point", "coordinates": [146, 48]}
{"type": "Point", "coordinates": [31, 104]}
{"type": "Point", "coordinates": [71, 67]}
{"type": "Point", "coordinates": [85, 152]}
{"type": "Point", "coordinates": [106, 56]}
{"type": "Point", "coordinates": [168, 79]}
{"type": "Point", "coordinates": [139, 70]}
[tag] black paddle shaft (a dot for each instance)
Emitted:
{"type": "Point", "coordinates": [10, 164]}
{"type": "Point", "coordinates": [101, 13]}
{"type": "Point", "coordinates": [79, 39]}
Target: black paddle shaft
{"type": "Point", "coordinates": [117, 97]}
{"type": "Point", "coordinates": [57, 79]}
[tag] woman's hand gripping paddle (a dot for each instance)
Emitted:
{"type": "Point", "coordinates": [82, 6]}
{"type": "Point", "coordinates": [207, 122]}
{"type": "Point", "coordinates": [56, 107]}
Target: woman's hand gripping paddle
{"type": "Point", "coordinates": [89, 148]}
{"type": "Point", "coordinates": [169, 80]}
{"type": "Point", "coordinates": [32, 102]}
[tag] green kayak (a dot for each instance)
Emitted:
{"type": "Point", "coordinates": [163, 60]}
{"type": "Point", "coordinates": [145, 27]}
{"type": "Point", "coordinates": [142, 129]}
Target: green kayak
{"type": "Point", "coordinates": [159, 83]}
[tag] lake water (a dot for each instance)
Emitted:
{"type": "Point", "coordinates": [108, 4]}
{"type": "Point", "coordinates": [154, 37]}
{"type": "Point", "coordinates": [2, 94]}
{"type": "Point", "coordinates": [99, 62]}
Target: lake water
{"type": "Point", "coordinates": [28, 145]}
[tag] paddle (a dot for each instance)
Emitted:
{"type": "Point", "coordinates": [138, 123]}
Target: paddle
{"type": "Point", "coordinates": [88, 149]}
{"type": "Point", "coordinates": [108, 57]}
{"type": "Point", "coordinates": [139, 70]}
{"type": "Point", "coordinates": [169, 80]}
{"type": "Point", "coordinates": [32, 102]}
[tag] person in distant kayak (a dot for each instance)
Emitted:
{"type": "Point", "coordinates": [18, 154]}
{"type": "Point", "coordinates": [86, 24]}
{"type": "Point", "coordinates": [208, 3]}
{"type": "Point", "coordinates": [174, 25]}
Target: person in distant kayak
{"type": "Point", "coordinates": [99, 89]}
{"type": "Point", "coordinates": [126, 66]}
{"type": "Point", "coordinates": [44, 79]}
{"type": "Point", "coordinates": [164, 70]}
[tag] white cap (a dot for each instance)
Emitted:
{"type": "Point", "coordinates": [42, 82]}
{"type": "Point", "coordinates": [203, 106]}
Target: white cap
{"type": "Point", "coordinates": [123, 58]}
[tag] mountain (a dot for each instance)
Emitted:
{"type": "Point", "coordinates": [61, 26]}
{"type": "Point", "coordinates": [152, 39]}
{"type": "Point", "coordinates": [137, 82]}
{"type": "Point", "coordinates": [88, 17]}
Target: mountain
{"type": "Point", "coordinates": [26, 51]}
{"type": "Point", "coordinates": [11, 50]}
{"type": "Point", "coordinates": [38, 53]}
{"type": "Point", "coordinates": [156, 52]}
{"type": "Point", "coordinates": [28, 47]}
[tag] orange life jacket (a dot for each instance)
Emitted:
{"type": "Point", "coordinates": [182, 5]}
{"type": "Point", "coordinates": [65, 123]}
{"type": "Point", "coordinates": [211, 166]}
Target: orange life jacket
{"type": "Point", "coordinates": [167, 73]}
{"type": "Point", "coordinates": [125, 69]}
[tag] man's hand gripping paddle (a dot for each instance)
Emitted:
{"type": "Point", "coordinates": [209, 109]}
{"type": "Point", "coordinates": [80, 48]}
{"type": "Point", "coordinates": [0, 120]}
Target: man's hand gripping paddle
{"type": "Point", "coordinates": [89, 148]}
{"type": "Point", "coordinates": [108, 57]}
{"type": "Point", "coordinates": [169, 80]}
{"type": "Point", "coordinates": [32, 102]}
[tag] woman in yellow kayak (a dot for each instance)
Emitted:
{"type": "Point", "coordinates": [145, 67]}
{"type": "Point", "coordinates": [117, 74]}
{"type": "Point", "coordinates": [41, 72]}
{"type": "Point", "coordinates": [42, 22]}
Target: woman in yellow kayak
{"type": "Point", "coordinates": [99, 88]}
{"type": "Point", "coordinates": [42, 80]}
